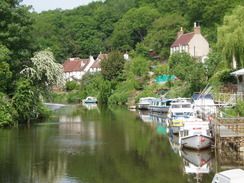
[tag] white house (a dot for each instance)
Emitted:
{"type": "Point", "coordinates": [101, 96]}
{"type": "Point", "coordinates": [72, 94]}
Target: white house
{"type": "Point", "coordinates": [193, 43]}
{"type": "Point", "coordinates": [75, 68]}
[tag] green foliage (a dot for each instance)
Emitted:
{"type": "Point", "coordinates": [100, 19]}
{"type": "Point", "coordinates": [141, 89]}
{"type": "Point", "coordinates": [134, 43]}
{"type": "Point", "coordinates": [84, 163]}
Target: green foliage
{"type": "Point", "coordinates": [105, 92]}
{"type": "Point", "coordinates": [147, 92]}
{"type": "Point", "coordinates": [25, 100]}
{"type": "Point", "coordinates": [133, 27]}
{"type": "Point", "coordinates": [179, 64]}
{"type": "Point", "coordinates": [70, 85]}
{"type": "Point", "coordinates": [185, 68]}
{"type": "Point", "coordinates": [240, 108]}
{"type": "Point", "coordinates": [5, 76]}
{"type": "Point", "coordinates": [161, 69]}
{"type": "Point", "coordinates": [91, 84]}
{"type": "Point", "coordinates": [225, 77]}
{"type": "Point", "coordinates": [231, 112]}
{"type": "Point", "coordinates": [163, 34]}
{"type": "Point", "coordinates": [209, 12]}
{"type": "Point", "coordinates": [140, 66]}
{"type": "Point", "coordinates": [58, 97]}
{"type": "Point", "coordinates": [231, 38]}
{"type": "Point", "coordinates": [122, 93]}
{"type": "Point", "coordinates": [112, 66]}
{"type": "Point", "coordinates": [15, 28]}
{"type": "Point", "coordinates": [212, 63]}
{"type": "Point", "coordinates": [7, 112]}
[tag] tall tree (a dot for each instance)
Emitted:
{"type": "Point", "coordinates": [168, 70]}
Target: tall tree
{"type": "Point", "coordinates": [163, 33]}
{"type": "Point", "coordinates": [231, 37]}
{"type": "Point", "coordinates": [15, 27]}
{"type": "Point", "coordinates": [133, 27]}
{"type": "Point", "coordinates": [112, 66]}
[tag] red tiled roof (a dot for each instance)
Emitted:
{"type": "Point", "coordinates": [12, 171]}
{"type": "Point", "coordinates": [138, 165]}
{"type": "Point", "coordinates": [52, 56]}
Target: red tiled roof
{"type": "Point", "coordinates": [96, 64]}
{"type": "Point", "coordinates": [183, 39]}
{"type": "Point", "coordinates": [71, 65]}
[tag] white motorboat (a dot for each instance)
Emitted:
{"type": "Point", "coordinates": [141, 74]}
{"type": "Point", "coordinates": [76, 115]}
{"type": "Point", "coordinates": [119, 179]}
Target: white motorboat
{"type": "Point", "coordinates": [178, 113]}
{"type": "Point", "coordinates": [160, 105]}
{"type": "Point", "coordinates": [229, 176]}
{"type": "Point", "coordinates": [89, 100]}
{"type": "Point", "coordinates": [144, 103]}
{"type": "Point", "coordinates": [204, 104]}
{"type": "Point", "coordinates": [195, 134]}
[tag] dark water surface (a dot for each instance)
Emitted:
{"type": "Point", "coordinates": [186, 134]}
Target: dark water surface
{"type": "Point", "coordinates": [100, 145]}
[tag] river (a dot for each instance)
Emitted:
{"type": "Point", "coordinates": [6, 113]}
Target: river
{"type": "Point", "coordinates": [99, 145]}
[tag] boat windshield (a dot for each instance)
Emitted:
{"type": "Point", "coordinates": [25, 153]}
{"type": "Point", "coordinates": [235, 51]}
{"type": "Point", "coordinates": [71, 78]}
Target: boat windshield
{"type": "Point", "coordinates": [186, 106]}
{"type": "Point", "coordinates": [176, 106]}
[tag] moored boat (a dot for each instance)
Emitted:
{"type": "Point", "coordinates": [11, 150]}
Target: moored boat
{"type": "Point", "coordinates": [178, 113]}
{"type": "Point", "coordinates": [229, 176]}
{"type": "Point", "coordinates": [195, 135]}
{"type": "Point", "coordinates": [89, 100]}
{"type": "Point", "coordinates": [160, 105]}
{"type": "Point", "coordinates": [144, 103]}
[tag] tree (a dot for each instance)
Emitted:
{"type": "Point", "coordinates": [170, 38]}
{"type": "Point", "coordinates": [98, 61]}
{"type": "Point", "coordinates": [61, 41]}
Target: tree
{"type": "Point", "coordinates": [209, 12]}
{"type": "Point", "coordinates": [163, 33]}
{"type": "Point", "coordinates": [231, 38]}
{"type": "Point", "coordinates": [133, 27]}
{"type": "Point", "coordinates": [42, 73]}
{"type": "Point", "coordinates": [44, 69]}
{"type": "Point", "coordinates": [5, 73]}
{"type": "Point", "coordinates": [15, 28]}
{"type": "Point", "coordinates": [112, 66]}
{"type": "Point", "coordinates": [179, 63]}
{"type": "Point", "coordinates": [183, 66]}
{"type": "Point", "coordinates": [140, 66]}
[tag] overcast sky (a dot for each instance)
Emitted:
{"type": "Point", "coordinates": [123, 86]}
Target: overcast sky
{"type": "Point", "coordinates": [44, 5]}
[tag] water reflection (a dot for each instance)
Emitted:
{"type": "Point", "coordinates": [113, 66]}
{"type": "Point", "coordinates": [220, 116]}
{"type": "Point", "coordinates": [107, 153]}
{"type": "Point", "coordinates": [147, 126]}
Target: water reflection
{"type": "Point", "coordinates": [104, 144]}
{"type": "Point", "coordinates": [196, 162]}
{"type": "Point", "coordinates": [90, 106]}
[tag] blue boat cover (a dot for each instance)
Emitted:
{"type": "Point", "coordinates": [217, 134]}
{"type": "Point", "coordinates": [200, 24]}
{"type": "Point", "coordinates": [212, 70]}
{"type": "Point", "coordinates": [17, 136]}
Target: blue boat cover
{"type": "Point", "coordinates": [196, 96]}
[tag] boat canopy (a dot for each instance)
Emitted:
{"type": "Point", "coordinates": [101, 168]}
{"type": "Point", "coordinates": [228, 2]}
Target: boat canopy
{"type": "Point", "coordinates": [197, 96]}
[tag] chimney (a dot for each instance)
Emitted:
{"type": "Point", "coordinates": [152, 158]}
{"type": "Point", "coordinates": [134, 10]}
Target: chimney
{"type": "Point", "coordinates": [180, 32]}
{"type": "Point", "coordinates": [197, 29]}
{"type": "Point", "coordinates": [91, 58]}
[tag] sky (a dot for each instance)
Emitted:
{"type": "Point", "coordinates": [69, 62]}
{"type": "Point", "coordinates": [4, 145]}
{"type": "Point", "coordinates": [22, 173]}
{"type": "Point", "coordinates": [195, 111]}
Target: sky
{"type": "Point", "coordinates": [44, 5]}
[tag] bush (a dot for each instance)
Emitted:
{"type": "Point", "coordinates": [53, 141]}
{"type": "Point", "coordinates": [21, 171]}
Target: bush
{"type": "Point", "coordinates": [70, 85]}
{"type": "Point", "coordinates": [7, 112]}
{"type": "Point", "coordinates": [240, 108]}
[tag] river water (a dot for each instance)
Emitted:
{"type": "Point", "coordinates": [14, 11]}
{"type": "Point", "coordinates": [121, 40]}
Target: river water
{"type": "Point", "coordinates": [99, 145]}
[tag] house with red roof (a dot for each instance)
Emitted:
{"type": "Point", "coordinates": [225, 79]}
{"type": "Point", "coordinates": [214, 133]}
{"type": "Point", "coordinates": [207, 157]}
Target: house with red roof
{"type": "Point", "coordinates": [193, 43]}
{"type": "Point", "coordinates": [75, 68]}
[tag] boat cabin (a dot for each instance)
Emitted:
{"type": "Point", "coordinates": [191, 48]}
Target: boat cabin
{"type": "Point", "coordinates": [229, 176]}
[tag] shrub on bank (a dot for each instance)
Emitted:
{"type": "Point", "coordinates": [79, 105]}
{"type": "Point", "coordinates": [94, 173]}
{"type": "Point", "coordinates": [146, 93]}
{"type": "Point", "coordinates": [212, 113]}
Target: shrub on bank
{"type": "Point", "coordinates": [70, 85]}
{"type": "Point", "coordinates": [7, 112]}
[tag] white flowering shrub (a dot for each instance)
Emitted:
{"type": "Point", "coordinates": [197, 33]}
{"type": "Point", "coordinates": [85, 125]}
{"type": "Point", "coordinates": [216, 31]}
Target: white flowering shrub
{"type": "Point", "coordinates": [44, 69]}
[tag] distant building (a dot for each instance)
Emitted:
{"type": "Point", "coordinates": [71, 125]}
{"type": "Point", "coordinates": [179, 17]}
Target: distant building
{"type": "Point", "coordinates": [240, 79]}
{"type": "Point", "coordinates": [75, 68]}
{"type": "Point", "coordinates": [193, 43]}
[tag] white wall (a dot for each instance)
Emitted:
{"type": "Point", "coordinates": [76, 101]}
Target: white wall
{"type": "Point", "coordinates": [198, 46]}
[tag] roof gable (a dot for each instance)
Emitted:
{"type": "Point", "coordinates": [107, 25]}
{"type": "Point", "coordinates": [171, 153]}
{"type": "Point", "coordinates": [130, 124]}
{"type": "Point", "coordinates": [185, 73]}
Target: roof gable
{"type": "Point", "coordinates": [77, 64]}
{"type": "Point", "coordinates": [96, 64]}
{"type": "Point", "coordinates": [183, 39]}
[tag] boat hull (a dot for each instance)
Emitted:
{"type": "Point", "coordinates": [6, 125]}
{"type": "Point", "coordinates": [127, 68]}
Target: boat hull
{"type": "Point", "coordinates": [159, 109]}
{"type": "Point", "coordinates": [196, 142]}
{"type": "Point", "coordinates": [142, 106]}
